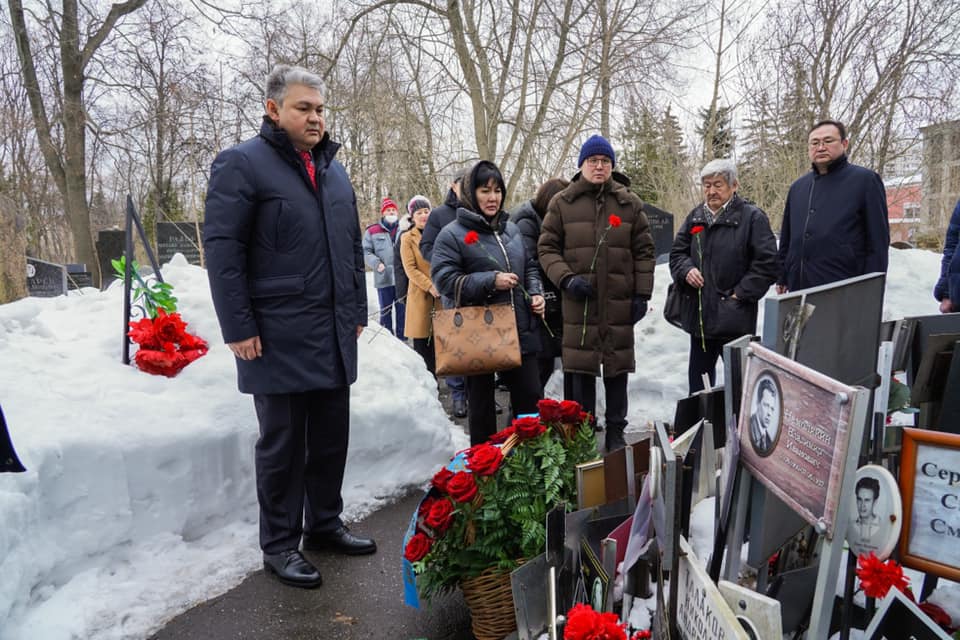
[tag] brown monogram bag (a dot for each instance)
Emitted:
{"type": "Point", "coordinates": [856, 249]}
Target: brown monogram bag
{"type": "Point", "coordinates": [474, 340]}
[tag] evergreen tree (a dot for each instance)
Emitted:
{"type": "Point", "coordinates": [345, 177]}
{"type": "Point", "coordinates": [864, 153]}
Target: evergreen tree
{"type": "Point", "coordinates": [721, 142]}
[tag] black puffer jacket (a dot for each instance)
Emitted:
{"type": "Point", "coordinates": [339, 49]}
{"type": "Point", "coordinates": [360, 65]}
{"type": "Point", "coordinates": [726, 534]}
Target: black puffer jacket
{"type": "Point", "coordinates": [500, 248]}
{"type": "Point", "coordinates": [739, 255]}
{"type": "Point", "coordinates": [439, 218]}
{"type": "Point", "coordinates": [527, 220]}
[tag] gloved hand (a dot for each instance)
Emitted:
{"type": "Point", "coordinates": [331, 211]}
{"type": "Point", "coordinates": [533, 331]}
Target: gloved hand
{"type": "Point", "coordinates": [578, 288]}
{"type": "Point", "coordinates": [638, 308]}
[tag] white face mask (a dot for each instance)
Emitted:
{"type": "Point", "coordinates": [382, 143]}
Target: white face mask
{"type": "Point", "coordinates": [390, 219]}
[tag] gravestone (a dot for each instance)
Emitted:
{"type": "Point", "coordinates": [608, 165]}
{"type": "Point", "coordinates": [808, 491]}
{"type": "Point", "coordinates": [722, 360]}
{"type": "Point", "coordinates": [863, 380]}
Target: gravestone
{"type": "Point", "coordinates": [78, 276]}
{"type": "Point", "coordinates": [109, 247]}
{"type": "Point", "coordinates": [45, 279]}
{"type": "Point", "coordinates": [661, 228]}
{"type": "Point", "coordinates": [898, 617]}
{"type": "Point", "coordinates": [179, 237]}
{"type": "Point", "coordinates": [702, 611]}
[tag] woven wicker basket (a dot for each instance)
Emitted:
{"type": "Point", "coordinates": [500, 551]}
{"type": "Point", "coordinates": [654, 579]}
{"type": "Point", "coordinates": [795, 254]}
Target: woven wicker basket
{"type": "Point", "coordinates": [490, 599]}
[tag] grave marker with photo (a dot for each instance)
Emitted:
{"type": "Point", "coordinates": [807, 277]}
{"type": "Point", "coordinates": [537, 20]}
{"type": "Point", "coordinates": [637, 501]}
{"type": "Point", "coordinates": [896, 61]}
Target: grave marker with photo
{"type": "Point", "coordinates": [45, 279]}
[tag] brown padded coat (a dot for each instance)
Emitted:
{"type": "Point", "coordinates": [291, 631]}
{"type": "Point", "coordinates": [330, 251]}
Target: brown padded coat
{"type": "Point", "coordinates": [420, 302]}
{"type": "Point", "coordinates": [576, 221]}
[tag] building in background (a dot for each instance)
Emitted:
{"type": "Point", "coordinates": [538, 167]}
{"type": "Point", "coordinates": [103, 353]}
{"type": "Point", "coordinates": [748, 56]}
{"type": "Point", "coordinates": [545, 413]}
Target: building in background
{"type": "Point", "coordinates": [941, 176]}
{"type": "Point", "coordinates": [904, 199]}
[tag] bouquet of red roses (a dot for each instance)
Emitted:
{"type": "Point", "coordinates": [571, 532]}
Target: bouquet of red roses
{"type": "Point", "coordinates": [165, 346]}
{"type": "Point", "coordinates": [488, 507]}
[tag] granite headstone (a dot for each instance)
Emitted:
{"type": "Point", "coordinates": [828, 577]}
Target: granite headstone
{"type": "Point", "coordinates": [661, 228]}
{"type": "Point", "coordinates": [45, 279]}
{"type": "Point", "coordinates": [109, 247]}
{"type": "Point", "coordinates": [78, 276]}
{"type": "Point", "coordinates": [179, 237]}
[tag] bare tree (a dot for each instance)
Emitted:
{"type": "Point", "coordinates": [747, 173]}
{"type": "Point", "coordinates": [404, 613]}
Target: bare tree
{"type": "Point", "coordinates": [66, 158]}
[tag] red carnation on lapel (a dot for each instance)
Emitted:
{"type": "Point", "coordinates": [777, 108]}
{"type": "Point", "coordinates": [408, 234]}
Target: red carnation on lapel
{"type": "Point", "coordinates": [472, 237]}
{"type": "Point", "coordinates": [697, 228]}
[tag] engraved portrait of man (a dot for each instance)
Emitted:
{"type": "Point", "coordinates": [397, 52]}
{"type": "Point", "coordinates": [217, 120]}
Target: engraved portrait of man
{"type": "Point", "coordinates": [765, 415]}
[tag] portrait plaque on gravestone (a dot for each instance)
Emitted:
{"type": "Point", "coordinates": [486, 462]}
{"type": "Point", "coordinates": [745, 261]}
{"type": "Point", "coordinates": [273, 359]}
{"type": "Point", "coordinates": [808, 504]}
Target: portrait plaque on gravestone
{"type": "Point", "coordinates": [179, 237]}
{"type": "Point", "coordinates": [794, 432]}
{"type": "Point", "coordinates": [876, 513]}
{"type": "Point", "coordinates": [702, 612]}
{"type": "Point", "coordinates": [897, 618]}
{"type": "Point", "coordinates": [930, 489]}
{"type": "Point", "coordinates": [45, 279]}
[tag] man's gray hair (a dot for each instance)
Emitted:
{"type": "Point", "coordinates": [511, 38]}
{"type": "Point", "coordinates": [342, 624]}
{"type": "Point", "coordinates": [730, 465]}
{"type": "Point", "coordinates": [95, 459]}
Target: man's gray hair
{"type": "Point", "coordinates": [723, 167]}
{"type": "Point", "coordinates": [284, 75]}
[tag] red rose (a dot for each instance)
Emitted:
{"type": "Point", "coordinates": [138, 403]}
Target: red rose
{"type": "Point", "coordinates": [501, 436]}
{"type": "Point", "coordinates": [485, 459]}
{"type": "Point", "coordinates": [440, 516]}
{"type": "Point", "coordinates": [441, 478]}
{"type": "Point", "coordinates": [584, 417]}
{"type": "Point", "coordinates": [462, 486]}
{"type": "Point", "coordinates": [569, 411]}
{"type": "Point", "coordinates": [614, 220]}
{"type": "Point", "coordinates": [424, 508]}
{"type": "Point", "coordinates": [417, 547]}
{"type": "Point", "coordinates": [162, 363]}
{"type": "Point", "coordinates": [549, 410]}
{"type": "Point", "coordinates": [529, 427]}
{"type": "Point", "coordinates": [697, 228]}
{"type": "Point", "coordinates": [642, 635]}
{"type": "Point", "coordinates": [472, 237]}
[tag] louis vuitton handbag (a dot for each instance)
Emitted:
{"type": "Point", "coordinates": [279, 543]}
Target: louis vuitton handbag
{"type": "Point", "coordinates": [470, 341]}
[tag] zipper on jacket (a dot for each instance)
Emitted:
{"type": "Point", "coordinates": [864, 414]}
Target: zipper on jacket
{"type": "Point", "coordinates": [806, 223]}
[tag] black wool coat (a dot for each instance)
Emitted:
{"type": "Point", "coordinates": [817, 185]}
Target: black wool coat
{"type": "Point", "coordinates": [500, 248]}
{"type": "Point", "coordinates": [285, 263]}
{"type": "Point", "coordinates": [735, 254]}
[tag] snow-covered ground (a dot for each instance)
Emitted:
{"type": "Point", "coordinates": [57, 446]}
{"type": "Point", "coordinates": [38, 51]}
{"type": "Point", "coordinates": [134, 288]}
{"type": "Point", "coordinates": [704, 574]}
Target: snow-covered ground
{"type": "Point", "coordinates": [140, 498]}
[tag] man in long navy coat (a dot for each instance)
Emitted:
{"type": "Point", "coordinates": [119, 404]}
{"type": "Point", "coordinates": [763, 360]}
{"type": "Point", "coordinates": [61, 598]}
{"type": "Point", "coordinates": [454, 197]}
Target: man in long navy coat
{"type": "Point", "coordinates": [282, 242]}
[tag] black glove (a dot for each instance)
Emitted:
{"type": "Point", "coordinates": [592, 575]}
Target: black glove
{"type": "Point", "coordinates": [638, 308]}
{"type": "Point", "coordinates": [578, 288]}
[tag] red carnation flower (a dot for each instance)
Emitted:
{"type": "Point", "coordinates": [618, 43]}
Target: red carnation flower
{"type": "Point", "coordinates": [417, 547]}
{"type": "Point", "coordinates": [876, 576]}
{"type": "Point", "coordinates": [549, 410]}
{"type": "Point", "coordinates": [440, 516]}
{"type": "Point", "coordinates": [462, 486]}
{"type": "Point", "coordinates": [614, 220]}
{"type": "Point", "coordinates": [144, 334]}
{"type": "Point", "coordinates": [441, 478]}
{"type": "Point", "coordinates": [570, 411]}
{"type": "Point", "coordinates": [642, 635]}
{"type": "Point", "coordinates": [485, 459]}
{"type": "Point", "coordinates": [529, 427]}
{"type": "Point", "coordinates": [472, 237]}
{"type": "Point", "coordinates": [697, 228]}
{"type": "Point", "coordinates": [162, 363]}
{"type": "Point", "coordinates": [169, 328]}
{"type": "Point", "coordinates": [501, 436]}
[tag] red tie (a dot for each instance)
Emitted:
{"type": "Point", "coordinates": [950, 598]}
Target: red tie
{"type": "Point", "coordinates": [311, 170]}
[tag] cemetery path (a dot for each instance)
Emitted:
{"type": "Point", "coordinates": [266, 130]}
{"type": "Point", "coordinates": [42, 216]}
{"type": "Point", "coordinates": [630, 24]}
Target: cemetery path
{"type": "Point", "coordinates": [361, 597]}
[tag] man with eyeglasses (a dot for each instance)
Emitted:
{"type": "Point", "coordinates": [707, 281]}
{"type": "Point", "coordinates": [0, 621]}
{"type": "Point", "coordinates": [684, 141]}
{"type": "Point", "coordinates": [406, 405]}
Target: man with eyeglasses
{"type": "Point", "coordinates": [835, 219]}
{"type": "Point", "coordinates": [595, 246]}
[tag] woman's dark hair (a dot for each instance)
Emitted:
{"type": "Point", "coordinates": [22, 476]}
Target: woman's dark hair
{"type": "Point", "coordinates": [545, 194]}
{"type": "Point", "coordinates": [481, 173]}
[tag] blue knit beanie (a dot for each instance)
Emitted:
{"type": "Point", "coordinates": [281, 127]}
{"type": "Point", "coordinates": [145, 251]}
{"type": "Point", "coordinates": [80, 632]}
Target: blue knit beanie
{"type": "Point", "coordinates": [596, 145]}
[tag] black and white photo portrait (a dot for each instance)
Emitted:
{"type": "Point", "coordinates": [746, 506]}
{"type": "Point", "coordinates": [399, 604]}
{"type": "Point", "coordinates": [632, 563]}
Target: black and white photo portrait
{"type": "Point", "coordinates": [766, 413]}
{"type": "Point", "coordinates": [875, 512]}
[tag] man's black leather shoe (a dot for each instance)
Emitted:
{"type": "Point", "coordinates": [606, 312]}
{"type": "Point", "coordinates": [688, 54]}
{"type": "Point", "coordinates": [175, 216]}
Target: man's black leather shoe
{"type": "Point", "coordinates": [339, 540]}
{"type": "Point", "coordinates": [459, 408]}
{"type": "Point", "coordinates": [290, 567]}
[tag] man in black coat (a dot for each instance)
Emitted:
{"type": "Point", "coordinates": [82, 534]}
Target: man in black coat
{"type": "Point", "coordinates": [283, 254]}
{"type": "Point", "coordinates": [9, 461]}
{"type": "Point", "coordinates": [835, 222]}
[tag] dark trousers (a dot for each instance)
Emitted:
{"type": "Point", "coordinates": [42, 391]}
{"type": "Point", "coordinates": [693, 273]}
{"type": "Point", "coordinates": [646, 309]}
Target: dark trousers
{"type": "Point", "coordinates": [301, 452]}
{"type": "Point", "coordinates": [457, 386]}
{"type": "Point", "coordinates": [523, 383]}
{"type": "Point", "coordinates": [584, 388]}
{"type": "Point", "coordinates": [546, 365]}
{"type": "Point", "coordinates": [387, 296]}
{"type": "Point", "coordinates": [703, 361]}
{"type": "Point", "coordinates": [424, 346]}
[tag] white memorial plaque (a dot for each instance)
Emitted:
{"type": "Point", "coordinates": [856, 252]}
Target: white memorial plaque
{"type": "Point", "coordinates": [759, 615]}
{"type": "Point", "coordinates": [930, 488]}
{"type": "Point", "coordinates": [702, 612]}
{"type": "Point", "coordinates": [877, 513]}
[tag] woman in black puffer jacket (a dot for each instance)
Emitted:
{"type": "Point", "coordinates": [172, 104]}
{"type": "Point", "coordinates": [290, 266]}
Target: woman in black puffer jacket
{"type": "Point", "coordinates": [490, 270]}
